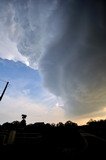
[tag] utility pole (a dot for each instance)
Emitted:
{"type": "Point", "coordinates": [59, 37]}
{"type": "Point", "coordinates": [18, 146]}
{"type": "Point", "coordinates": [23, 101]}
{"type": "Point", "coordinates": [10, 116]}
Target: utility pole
{"type": "Point", "coordinates": [4, 91]}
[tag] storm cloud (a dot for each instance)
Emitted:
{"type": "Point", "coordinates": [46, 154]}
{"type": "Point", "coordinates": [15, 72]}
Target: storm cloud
{"type": "Point", "coordinates": [66, 41]}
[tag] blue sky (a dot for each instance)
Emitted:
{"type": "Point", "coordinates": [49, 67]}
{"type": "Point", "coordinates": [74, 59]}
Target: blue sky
{"type": "Point", "coordinates": [25, 95]}
{"type": "Point", "coordinates": [21, 45]}
{"type": "Point", "coordinates": [53, 54]}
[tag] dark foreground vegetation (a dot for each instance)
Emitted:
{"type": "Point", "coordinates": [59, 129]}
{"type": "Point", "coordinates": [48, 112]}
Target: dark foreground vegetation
{"type": "Point", "coordinates": [53, 141]}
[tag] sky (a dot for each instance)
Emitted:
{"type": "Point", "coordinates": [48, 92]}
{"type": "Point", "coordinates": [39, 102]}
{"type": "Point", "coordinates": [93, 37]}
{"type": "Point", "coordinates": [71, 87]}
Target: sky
{"type": "Point", "coordinates": [53, 54]}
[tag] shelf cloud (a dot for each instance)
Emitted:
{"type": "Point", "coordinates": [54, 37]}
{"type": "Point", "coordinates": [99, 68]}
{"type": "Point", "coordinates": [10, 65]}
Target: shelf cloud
{"type": "Point", "coordinates": [66, 42]}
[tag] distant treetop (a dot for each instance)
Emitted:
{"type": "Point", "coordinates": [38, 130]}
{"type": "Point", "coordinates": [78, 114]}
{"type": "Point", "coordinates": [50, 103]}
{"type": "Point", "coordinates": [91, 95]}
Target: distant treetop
{"type": "Point", "coordinates": [24, 116]}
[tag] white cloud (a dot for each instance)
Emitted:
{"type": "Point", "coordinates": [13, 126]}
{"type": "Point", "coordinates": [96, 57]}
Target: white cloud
{"type": "Point", "coordinates": [8, 50]}
{"type": "Point", "coordinates": [9, 31]}
{"type": "Point", "coordinates": [11, 109]}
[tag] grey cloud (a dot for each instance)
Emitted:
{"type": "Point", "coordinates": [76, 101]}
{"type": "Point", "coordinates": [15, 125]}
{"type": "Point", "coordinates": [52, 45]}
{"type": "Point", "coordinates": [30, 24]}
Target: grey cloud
{"type": "Point", "coordinates": [66, 39]}
{"type": "Point", "coordinates": [39, 27]}
{"type": "Point", "coordinates": [75, 67]}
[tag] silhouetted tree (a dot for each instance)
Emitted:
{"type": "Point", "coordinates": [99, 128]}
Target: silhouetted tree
{"type": "Point", "coordinates": [70, 124]}
{"type": "Point", "coordinates": [23, 122]}
{"type": "Point", "coordinates": [60, 124]}
{"type": "Point", "coordinates": [23, 116]}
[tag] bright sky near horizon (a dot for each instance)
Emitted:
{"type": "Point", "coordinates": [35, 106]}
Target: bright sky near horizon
{"type": "Point", "coordinates": [53, 53]}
